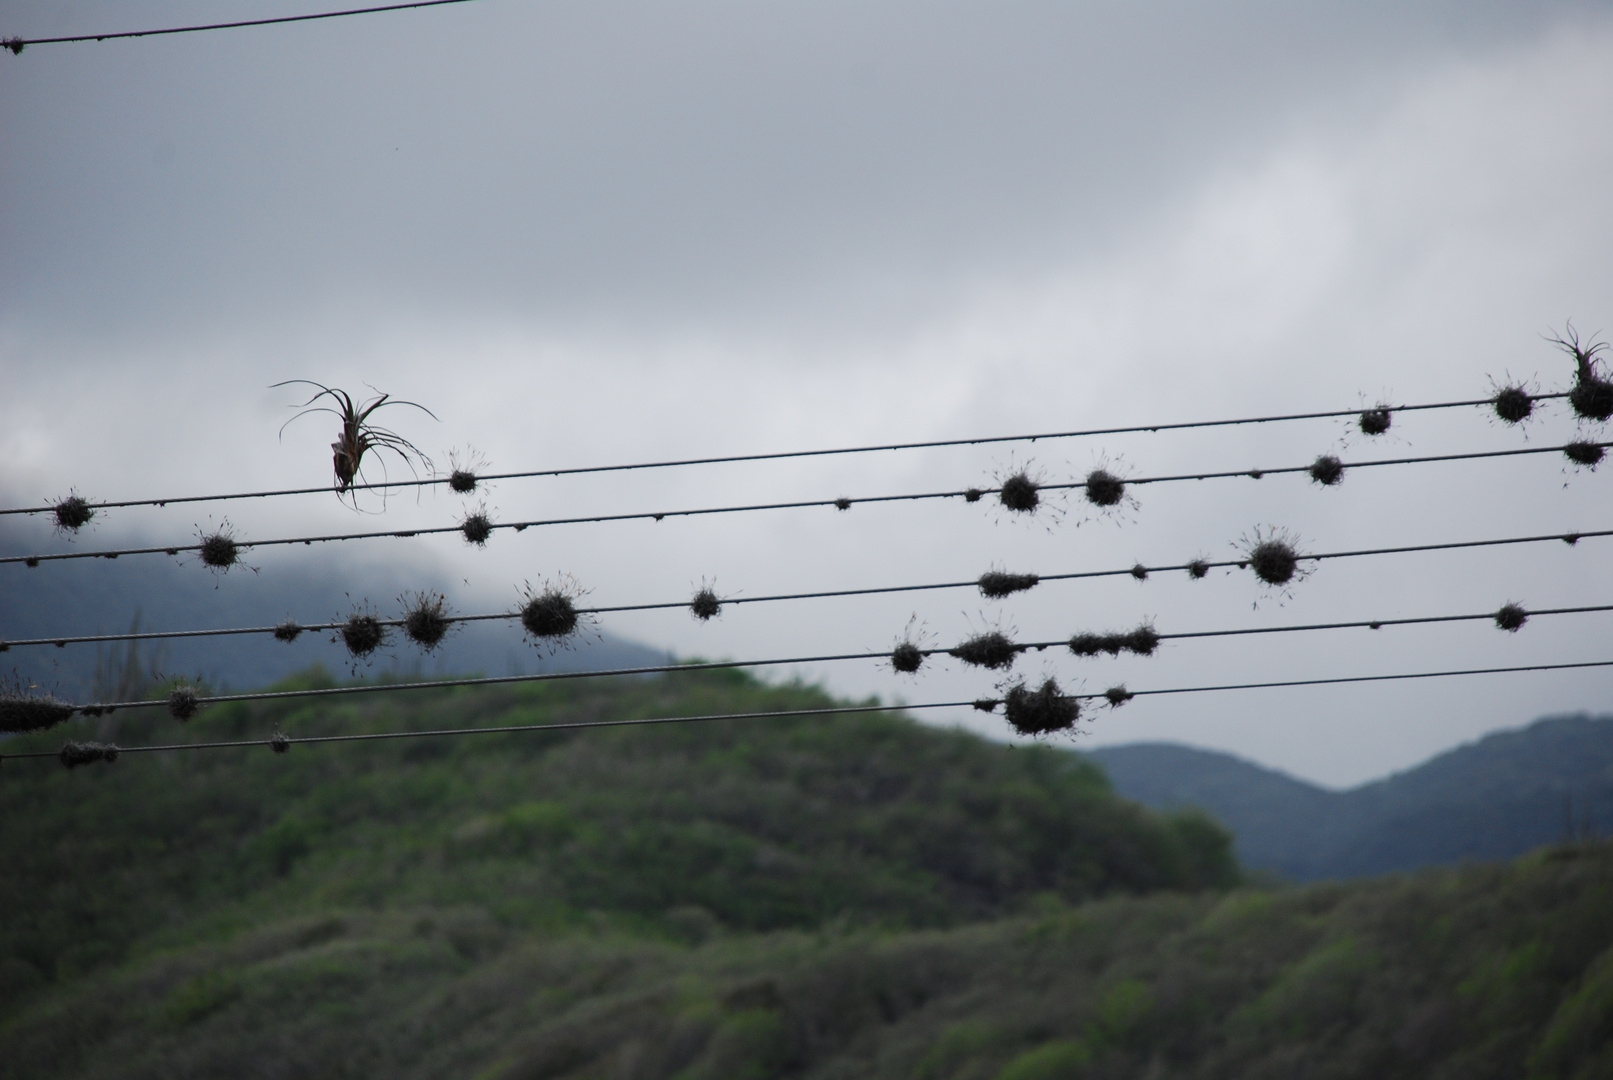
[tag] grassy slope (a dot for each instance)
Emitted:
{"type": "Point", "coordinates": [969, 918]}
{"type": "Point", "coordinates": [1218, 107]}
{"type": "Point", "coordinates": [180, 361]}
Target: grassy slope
{"type": "Point", "coordinates": [1484, 972]}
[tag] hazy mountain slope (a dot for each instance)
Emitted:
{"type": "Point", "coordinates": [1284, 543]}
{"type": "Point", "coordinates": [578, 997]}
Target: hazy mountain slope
{"type": "Point", "coordinates": [1495, 798]}
{"type": "Point", "coordinates": [795, 822]}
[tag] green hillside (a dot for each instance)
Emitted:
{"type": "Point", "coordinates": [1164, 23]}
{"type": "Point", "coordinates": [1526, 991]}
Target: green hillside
{"type": "Point", "coordinates": [831, 897]}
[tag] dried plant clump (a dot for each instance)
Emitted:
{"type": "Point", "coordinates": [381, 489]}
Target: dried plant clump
{"type": "Point", "coordinates": [1273, 556]}
{"type": "Point", "coordinates": [1117, 696]}
{"type": "Point", "coordinates": [1514, 404]}
{"type": "Point", "coordinates": [1142, 641]}
{"type": "Point", "coordinates": [1376, 420]}
{"type": "Point", "coordinates": [219, 549]}
{"type": "Point", "coordinates": [1104, 488]}
{"type": "Point", "coordinates": [1511, 618]}
{"type": "Point", "coordinates": [996, 584]}
{"type": "Point", "coordinates": [1327, 470]}
{"type": "Point", "coordinates": [72, 513]}
{"type": "Point", "coordinates": [21, 709]}
{"type": "Point", "coordinates": [1592, 395]}
{"type": "Point", "coordinates": [551, 615]}
{"type": "Point", "coordinates": [287, 631]}
{"type": "Point", "coordinates": [426, 620]}
{"type": "Point", "coordinates": [1585, 453]}
{"type": "Point", "coordinates": [363, 633]}
{"type": "Point", "coordinates": [183, 702]}
{"type": "Point", "coordinates": [1020, 493]}
{"type": "Point", "coordinates": [74, 754]}
{"type": "Point", "coordinates": [1040, 711]}
{"type": "Point", "coordinates": [359, 435]}
{"type": "Point", "coordinates": [279, 742]}
{"type": "Point", "coordinates": [1198, 569]}
{"type": "Point", "coordinates": [476, 527]}
{"type": "Point", "coordinates": [706, 605]}
{"type": "Point", "coordinates": [991, 650]}
{"type": "Point", "coordinates": [907, 658]}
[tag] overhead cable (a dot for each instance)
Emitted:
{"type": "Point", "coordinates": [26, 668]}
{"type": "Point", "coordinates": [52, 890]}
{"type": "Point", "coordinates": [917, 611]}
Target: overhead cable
{"type": "Point", "coordinates": [486, 527]}
{"type": "Point", "coordinates": [984, 440]}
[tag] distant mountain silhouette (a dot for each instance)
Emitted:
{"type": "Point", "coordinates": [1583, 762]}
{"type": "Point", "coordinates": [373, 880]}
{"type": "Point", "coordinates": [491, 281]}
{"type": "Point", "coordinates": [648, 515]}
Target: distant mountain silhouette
{"type": "Point", "coordinates": [1492, 799]}
{"type": "Point", "coordinates": [97, 596]}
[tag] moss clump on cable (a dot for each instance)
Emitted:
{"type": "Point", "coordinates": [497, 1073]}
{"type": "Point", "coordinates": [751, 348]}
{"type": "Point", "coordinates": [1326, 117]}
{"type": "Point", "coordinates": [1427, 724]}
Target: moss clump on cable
{"type": "Point", "coordinates": [476, 527]}
{"type": "Point", "coordinates": [1273, 555]}
{"type": "Point", "coordinates": [1514, 404]}
{"type": "Point", "coordinates": [1584, 453]}
{"type": "Point", "coordinates": [1117, 696]}
{"type": "Point", "coordinates": [996, 584]}
{"type": "Point", "coordinates": [1141, 641]}
{"type": "Point", "coordinates": [1375, 421]}
{"type": "Point", "coordinates": [219, 549]}
{"type": "Point", "coordinates": [462, 481]}
{"type": "Point", "coordinates": [287, 631]}
{"type": "Point", "coordinates": [1511, 618]}
{"type": "Point", "coordinates": [1327, 470]}
{"type": "Point", "coordinates": [551, 614]}
{"type": "Point", "coordinates": [1198, 569]}
{"type": "Point", "coordinates": [907, 658]}
{"type": "Point", "coordinates": [74, 754]}
{"type": "Point", "coordinates": [426, 620]}
{"type": "Point", "coordinates": [21, 709]}
{"type": "Point", "coordinates": [1591, 395]}
{"type": "Point", "coordinates": [183, 702]}
{"type": "Point", "coordinates": [279, 742]}
{"type": "Point", "coordinates": [991, 650]}
{"type": "Point", "coordinates": [1104, 488]}
{"type": "Point", "coordinates": [706, 605]}
{"type": "Point", "coordinates": [1041, 711]}
{"type": "Point", "coordinates": [72, 513]}
{"type": "Point", "coordinates": [363, 633]}
{"type": "Point", "coordinates": [1020, 493]}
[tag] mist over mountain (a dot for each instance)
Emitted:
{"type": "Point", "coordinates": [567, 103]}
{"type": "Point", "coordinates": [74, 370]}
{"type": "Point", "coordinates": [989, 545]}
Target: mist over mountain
{"type": "Point", "coordinates": [1493, 799]}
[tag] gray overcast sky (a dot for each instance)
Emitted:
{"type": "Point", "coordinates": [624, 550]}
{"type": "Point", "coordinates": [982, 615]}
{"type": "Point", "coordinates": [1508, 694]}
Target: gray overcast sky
{"type": "Point", "coordinates": [609, 231]}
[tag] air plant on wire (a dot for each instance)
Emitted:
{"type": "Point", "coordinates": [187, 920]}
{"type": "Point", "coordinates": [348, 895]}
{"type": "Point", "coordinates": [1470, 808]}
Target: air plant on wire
{"type": "Point", "coordinates": [359, 435]}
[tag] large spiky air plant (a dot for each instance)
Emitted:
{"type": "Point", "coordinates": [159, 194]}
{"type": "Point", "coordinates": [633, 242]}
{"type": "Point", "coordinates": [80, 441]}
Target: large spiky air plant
{"type": "Point", "coordinates": [358, 435]}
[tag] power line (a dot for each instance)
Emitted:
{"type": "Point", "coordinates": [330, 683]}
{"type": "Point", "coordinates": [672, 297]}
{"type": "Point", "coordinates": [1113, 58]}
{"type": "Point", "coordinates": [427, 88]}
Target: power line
{"type": "Point", "coordinates": [1012, 649]}
{"type": "Point", "coordinates": [283, 742]}
{"type": "Point", "coordinates": [17, 44]}
{"type": "Point", "coordinates": [786, 454]}
{"type": "Point", "coordinates": [843, 503]}
{"type": "Point", "coordinates": [300, 628]}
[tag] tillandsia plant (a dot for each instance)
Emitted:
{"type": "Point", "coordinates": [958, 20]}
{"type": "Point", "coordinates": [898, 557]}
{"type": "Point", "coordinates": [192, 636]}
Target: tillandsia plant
{"type": "Point", "coordinates": [359, 435]}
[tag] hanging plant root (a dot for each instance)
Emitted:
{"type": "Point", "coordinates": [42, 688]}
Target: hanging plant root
{"type": "Point", "coordinates": [1040, 711]}
{"type": "Point", "coordinates": [1327, 470]}
{"type": "Point", "coordinates": [183, 702]}
{"type": "Point", "coordinates": [991, 650]}
{"type": "Point", "coordinates": [1104, 488]}
{"type": "Point", "coordinates": [72, 514]}
{"type": "Point", "coordinates": [1511, 618]}
{"type": "Point", "coordinates": [74, 754]}
{"type": "Point", "coordinates": [995, 584]}
{"type": "Point", "coordinates": [426, 620]}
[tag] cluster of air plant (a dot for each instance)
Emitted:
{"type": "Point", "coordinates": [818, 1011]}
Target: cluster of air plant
{"type": "Point", "coordinates": [706, 604]}
{"type": "Point", "coordinates": [911, 649]}
{"type": "Point", "coordinates": [24, 707]}
{"type": "Point", "coordinates": [550, 614]}
{"type": "Point", "coordinates": [1142, 641]}
{"type": "Point", "coordinates": [1041, 711]}
{"type": "Point", "coordinates": [72, 513]}
{"type": "Point", "coordinates": [218, 548]}
{"type": "Point", "coordinates": [997, 584]}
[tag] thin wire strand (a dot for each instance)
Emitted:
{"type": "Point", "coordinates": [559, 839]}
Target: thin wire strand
{"type": "Point", "coordinates": [842, 503]}
{"type": "Point", "coordinates": [17, 44]}
{"type": "Point", "coordinates": [96, 708]}
{"type": "Point", "coordinates": [780, 455]}
{"type": "Point", "coordinates": [288, 741]}
{"type": "Point", "coordinates": [168, 635]}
